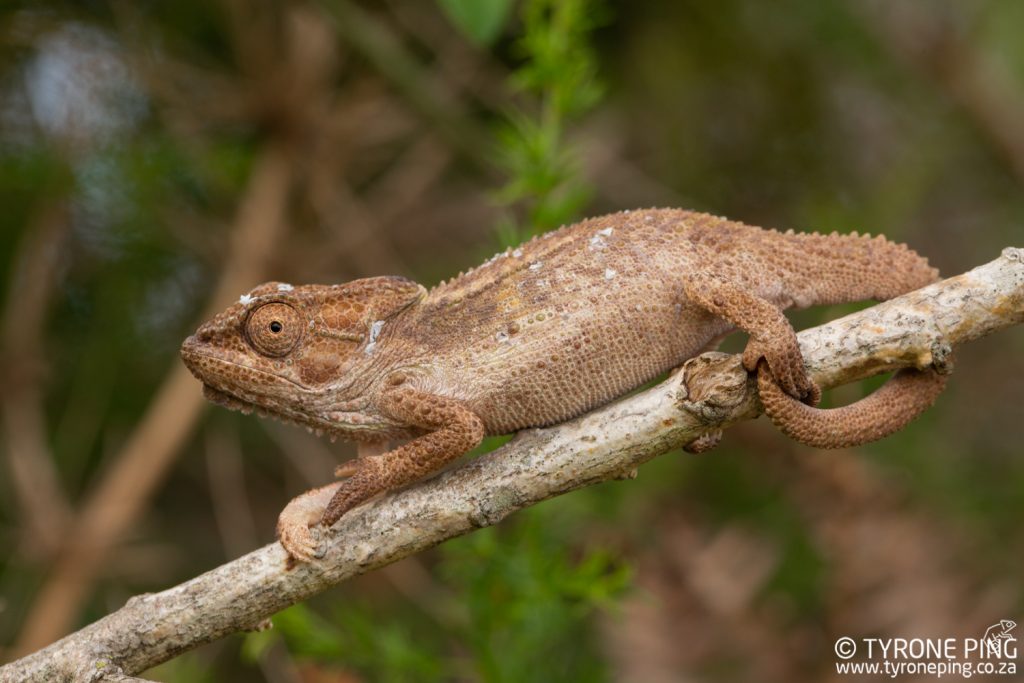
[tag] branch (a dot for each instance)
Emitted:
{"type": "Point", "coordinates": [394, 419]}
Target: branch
{"type": "Point", "coordinates": [42, 501]}
{"type": "Point", "coordinates": [711, 392]}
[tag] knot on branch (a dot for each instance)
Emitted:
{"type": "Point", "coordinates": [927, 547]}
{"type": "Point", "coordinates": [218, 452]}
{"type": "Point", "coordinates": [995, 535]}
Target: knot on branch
{"type": "Point", "coordinates": [713, 385]}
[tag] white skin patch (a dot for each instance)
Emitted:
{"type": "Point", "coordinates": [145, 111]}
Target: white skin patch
{"type": "Point", "coordinates": [245, 299]}
{"type": "Point", "coordinates": [502, 337]}
{"type": "Point", "coordinates": [609, 274]}
{"type": "Point", "coordinates": [284, 287]}
{"type": "Point", "coordinates": [607, 232]}
{"type": "Point", "coordinates": [375, 329]}
{"type": "Point", "coordinates": [517, 253]}
{"type": "Point", "coordinates": [536, 265]}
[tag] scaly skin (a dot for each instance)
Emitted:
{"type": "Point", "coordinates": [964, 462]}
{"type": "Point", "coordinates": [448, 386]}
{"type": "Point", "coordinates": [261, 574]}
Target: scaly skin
{"type": "Point", "coordinates": [540, 334]}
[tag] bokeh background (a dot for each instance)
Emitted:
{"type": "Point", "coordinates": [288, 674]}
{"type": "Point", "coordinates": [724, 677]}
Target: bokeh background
{"type": "Point", "coordinates": [159, 159]}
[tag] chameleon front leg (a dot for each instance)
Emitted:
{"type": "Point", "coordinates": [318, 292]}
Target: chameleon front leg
{"type": "Point", "coordinates": [453, 429]}
{"type": "Point", "coordinates": [782, 379]}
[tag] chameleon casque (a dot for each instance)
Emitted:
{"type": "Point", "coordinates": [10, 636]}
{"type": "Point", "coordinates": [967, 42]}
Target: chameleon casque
{"type": "Point", "coordinates": [542, 333]}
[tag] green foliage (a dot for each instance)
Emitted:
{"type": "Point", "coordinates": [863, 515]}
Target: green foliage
{"type": "Point", "coordinates": [530, 602]}
{"type": "Point", "coordinates": [186, 668]}
{"type": "Point", "coordinates": [355, 638]}
{"type": "Point", "coordinates": [479, 20]}
{"type": "Point", "coordinates": [560, 65]}
{"type": "Point", "coordinates": [559, 70]}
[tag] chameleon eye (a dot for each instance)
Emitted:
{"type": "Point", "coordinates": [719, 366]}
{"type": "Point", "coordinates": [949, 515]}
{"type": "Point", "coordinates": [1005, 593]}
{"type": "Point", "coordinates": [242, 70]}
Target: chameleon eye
{"type": "Point", "coordinates": [274, 329]}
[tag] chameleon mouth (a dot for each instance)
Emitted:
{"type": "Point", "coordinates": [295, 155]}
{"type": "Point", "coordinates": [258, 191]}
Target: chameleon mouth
{"type": "Point", "coordinates": [339, 420]}
{"type": "Point", "coordinates": [226, 400]}
{"type": "Point", "coordinates": [319, 426]}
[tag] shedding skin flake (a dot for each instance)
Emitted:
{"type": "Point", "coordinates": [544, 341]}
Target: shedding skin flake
{"type": "Point", "coordinates": [375, 329]}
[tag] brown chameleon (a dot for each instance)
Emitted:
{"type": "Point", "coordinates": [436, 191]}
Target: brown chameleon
{"type": "Point", "coordinates": [541, 333]}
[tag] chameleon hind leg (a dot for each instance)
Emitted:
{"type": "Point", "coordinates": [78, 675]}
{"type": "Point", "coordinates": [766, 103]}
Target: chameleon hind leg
{"type": "Point", "coordinates": [789, 395]}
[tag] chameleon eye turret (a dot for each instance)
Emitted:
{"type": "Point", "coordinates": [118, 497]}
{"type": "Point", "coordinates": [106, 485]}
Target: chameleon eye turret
{"type": "Point", "coordinates": [274, 329]}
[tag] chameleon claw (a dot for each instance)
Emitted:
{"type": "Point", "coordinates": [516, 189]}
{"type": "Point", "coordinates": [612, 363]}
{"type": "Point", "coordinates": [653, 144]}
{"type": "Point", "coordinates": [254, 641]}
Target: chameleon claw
{"type": "Point", "coordinates": [302, 542]}
{"type": "Point", "coordinates": [298, 525]}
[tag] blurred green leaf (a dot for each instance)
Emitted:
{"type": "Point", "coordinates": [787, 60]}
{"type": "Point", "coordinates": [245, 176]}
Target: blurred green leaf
{"type": "Point", "coordinates": [479, 20]}
{"type": "Point", "coordinates": [255, 645]}
{"type": "Point", "coordinates": [531, 597]}
{"type": "Point", "coordinates": [356, 638]}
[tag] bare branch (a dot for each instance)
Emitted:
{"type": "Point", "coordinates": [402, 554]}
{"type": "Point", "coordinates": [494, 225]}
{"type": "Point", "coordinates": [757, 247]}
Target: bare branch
{"type": "Point", "coordinates": [41, 499]}
{"type": "Point", "coordinates": [710, 392]}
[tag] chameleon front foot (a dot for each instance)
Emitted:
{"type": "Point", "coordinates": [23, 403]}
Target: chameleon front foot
{"type": "Point", "coordinates": [297, 525]}
{"type": "Point", "coordinates": [301, 541]}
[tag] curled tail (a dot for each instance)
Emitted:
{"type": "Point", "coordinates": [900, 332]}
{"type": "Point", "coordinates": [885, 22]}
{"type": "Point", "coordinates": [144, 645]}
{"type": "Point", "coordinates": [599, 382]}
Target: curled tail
{"type": "Point", "coordinates": [909, 393]}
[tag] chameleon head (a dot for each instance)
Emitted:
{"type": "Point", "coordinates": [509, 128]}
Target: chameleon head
{"type": "Point", "coordinates": [303, 354]}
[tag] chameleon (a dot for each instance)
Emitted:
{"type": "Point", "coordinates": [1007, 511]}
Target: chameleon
{"type": "Point", "coordinates": [541, 333]}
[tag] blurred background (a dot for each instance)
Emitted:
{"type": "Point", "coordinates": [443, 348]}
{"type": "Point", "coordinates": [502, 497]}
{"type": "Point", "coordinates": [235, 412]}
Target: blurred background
{"type": "Point", "coordinates": [159, 159]}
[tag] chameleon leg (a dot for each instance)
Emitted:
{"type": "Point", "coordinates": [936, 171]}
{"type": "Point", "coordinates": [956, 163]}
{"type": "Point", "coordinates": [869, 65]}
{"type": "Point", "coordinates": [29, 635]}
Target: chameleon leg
{"type": "Point", "coordinates": [772, 337]}
{"type": "Point", "coordinates": [454, 430]}
{"type": "Point", "coordinates": [883, 412]}
{"type": "Point", "coordinates": [363, 450]}
{"type": "Point", "coordinates": [782, 379]}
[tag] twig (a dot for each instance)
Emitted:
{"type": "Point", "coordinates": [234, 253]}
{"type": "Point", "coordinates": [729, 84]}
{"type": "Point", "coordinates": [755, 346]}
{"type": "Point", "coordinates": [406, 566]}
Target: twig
{"type": "Point", "coordinates": [148, 453]}
{"type": "Point", "coordinates": [43, 505]}
{"type": "Point", "coordinates": [425, 93]}
{"type": "Point", "coordinates": [711, 392]}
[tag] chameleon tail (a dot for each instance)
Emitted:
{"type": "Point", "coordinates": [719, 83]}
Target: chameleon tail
{"type": "Point", "coordinates": [909, 393]}
{"type": "Point", "coordinates": [852, 267]}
